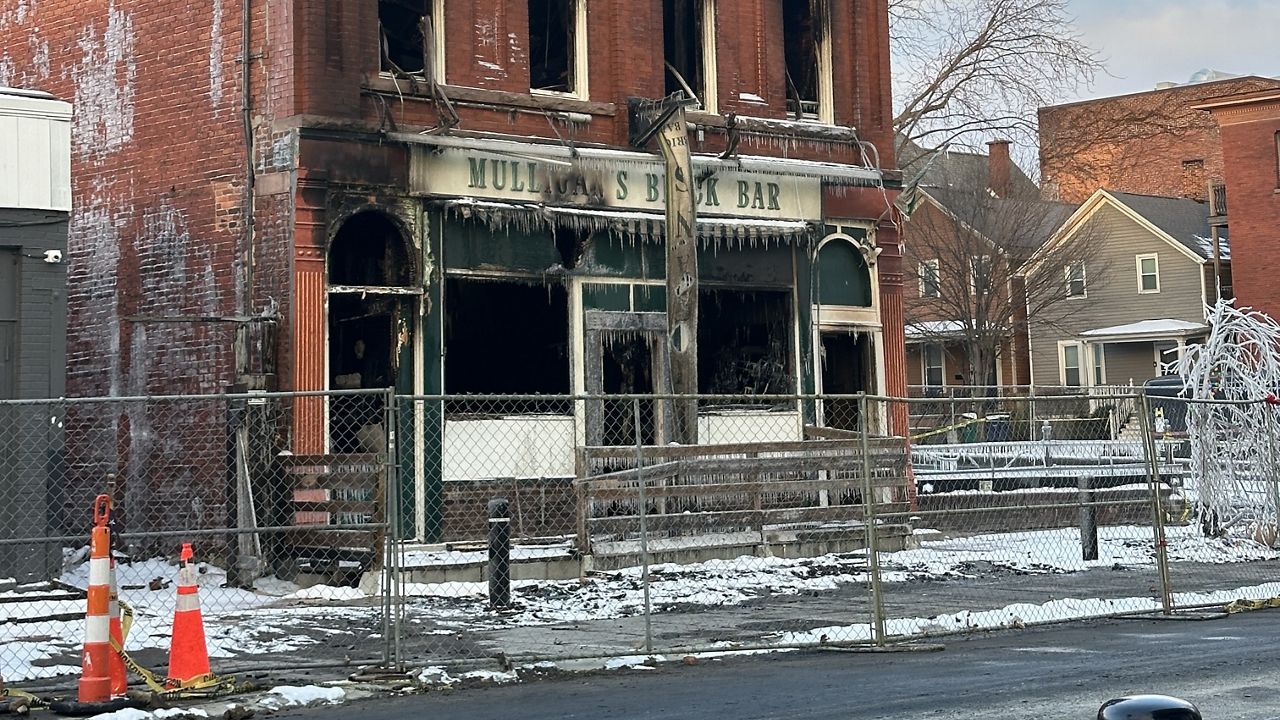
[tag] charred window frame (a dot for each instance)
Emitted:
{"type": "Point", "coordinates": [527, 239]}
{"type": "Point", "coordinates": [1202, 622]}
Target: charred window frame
{"type": "Point", "coordinates": [557, 47]}
{"type": "Point", "coordinates": [689, 49]}
{"type": "Point", "coordinates": [411, 38]}
{"type": "Point", "coordinates": [806, 40]}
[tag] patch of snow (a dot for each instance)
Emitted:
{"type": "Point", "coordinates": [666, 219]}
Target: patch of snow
{"type": "Point", "coordinates": [1147, 327]}
{"type": "Point", "coordinates": [302, 695]}
{"type": "Point", "coordinates": [326, 592]}
{"type": "Point", "coordinates": [751, 97]}
{"type": "Point", "coordinates": [633, 662]}
{"type": "Point", "coordinates": [493, 676]}
{"type": "Point", "coordinates": [435, 675]}
{"type": "Point", "coordinates": [125, 714]}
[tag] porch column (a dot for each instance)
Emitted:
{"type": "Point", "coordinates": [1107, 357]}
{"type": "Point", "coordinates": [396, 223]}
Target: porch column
{"type": "Point", "coordinates": [310, 349]}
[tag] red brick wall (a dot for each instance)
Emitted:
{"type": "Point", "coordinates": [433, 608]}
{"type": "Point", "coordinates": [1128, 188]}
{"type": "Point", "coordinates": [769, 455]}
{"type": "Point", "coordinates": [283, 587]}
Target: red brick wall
{"type": "Point", "coordinates": [1249, 149]}
{"type": "Point", "coordinates": [1134, 143]}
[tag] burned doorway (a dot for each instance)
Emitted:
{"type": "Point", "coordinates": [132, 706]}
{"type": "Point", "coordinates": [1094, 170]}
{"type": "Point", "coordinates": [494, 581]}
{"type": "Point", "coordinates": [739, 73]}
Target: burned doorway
{"type": "Point", "coordinates": [848, 358]}
{"type": "Point", "coordinates": [373, 299]}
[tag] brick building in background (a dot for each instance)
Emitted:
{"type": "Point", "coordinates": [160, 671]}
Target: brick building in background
{"type": "Point", "coordinates": [1150, 143]}
{"type": "Point", "coordinates": [1249, 125]}
{"type": "Point", "coordinates": [466, 204]}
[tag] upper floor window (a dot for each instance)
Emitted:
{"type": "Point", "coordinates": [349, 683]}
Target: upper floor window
{"type": "Point", "coordinates": [1278, 159]}
{"type": "Point", "coordinates": [689, 49]}
{"type": "Point", "coordinates": [557, 46]}
{"type": "Point", "coordinates": [807, 51]}
{"type": "Point", "coordinates": [412, 37]}
{"type": "Point", "coordinates": [1148, 267]}
{"type": "Point", "coordinates": [1075, 280]}
{"type": "Point", "coordinates": [930, 280]}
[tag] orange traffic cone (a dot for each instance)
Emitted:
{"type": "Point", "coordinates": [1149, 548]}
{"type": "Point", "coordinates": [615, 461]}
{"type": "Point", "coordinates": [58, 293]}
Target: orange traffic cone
{"type": "Point", "coordinates": [115, 666]}
{"type": "Point", "coordinates": [95, 681]}
{"type": "Point", "coordinates": [188, 656]}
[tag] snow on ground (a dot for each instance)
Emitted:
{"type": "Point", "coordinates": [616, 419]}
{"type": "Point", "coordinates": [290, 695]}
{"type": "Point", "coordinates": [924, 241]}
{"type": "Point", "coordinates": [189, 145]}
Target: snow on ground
{"type": "Point", "coordinates": [296, 696]}
{"type": "Point", "coordinates": [278, 617]}
{"type": "Point", "coordinates": [733, 582]}
{"type": "Point", "coordinates": [269, 619]}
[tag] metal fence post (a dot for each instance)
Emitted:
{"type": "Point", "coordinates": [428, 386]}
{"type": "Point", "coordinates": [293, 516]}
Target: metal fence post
{"type": "Point", "coordinates": [1270, 411]}
{"type": "Point", "coordinates": [869, 525]}
{"type": "Point", "coordinates": [644, 532]}
{"type": "Point", "coordinates": [392, 605]}
{"type": "Point", "coordinates": [1157, 511]}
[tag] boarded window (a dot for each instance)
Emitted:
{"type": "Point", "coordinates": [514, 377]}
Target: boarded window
{"type": "Point", "coordinates": [843, 275]}
{"type": "Point", "coordinates": [404, 25]}
{"type": "Point", "coordinates": [802, 33]}
{"type": "Point", "coordinates": [551, 44]}
{"type": "Point", "coordinates": [682, 39]}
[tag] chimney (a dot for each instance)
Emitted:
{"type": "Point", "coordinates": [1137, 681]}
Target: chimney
{"type": "Point", "coordinates": [998, 167]}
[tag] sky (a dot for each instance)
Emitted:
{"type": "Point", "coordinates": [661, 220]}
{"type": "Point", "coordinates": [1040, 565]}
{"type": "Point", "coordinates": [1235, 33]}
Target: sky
{"type": "Point", "coordinates": [1149, 41]}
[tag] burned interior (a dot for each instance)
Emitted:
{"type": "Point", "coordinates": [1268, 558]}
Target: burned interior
{"type": "Point", "coordinates": [551, 45]}
{"type": "Point", "coordinates": [406, 33]}
{"type": "Point", "coordinates": [507, 336]}
{"type": "Point", "coordinates": [682, 41]}
{"type": "Point", "coordinates": [802, 32]}
{"type": "Point", "coordinates": [744, 342]}
{"type": "Point", "coordinates": [371, 299]}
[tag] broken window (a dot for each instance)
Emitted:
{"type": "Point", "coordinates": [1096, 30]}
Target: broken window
{"type": "Point", "coordinates": [744, 342]}
{"type": "Point", "coordinates": [409, 36]}
{"type": "Point", "coordinates": [553, 31]}
{"type": "Point", "coordinates": [686, 47]}
{"type": "Point", "coordinates": [804, 44]}
{"type": "Point", "coordinates": [506, 337]}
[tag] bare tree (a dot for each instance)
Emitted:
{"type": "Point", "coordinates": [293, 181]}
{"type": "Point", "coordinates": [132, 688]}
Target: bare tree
{"type": "Point", "coordinates": [966, 249]}
{"type": "Point", "coordinates": [969, 69]}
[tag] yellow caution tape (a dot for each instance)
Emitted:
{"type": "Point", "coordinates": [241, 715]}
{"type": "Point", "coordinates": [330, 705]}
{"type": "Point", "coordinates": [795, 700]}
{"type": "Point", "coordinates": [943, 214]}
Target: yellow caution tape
{"type": "Point", "coordinates": [205, 686]}
{"type": "Point", "coordinates": [1236, 606]}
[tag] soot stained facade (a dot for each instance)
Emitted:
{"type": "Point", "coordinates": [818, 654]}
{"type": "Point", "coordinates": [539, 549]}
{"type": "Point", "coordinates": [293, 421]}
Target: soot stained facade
{"type": "Point", "coordinates": [447, 198]}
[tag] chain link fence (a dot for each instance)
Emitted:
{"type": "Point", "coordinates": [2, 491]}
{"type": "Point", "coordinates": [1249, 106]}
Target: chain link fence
{"type": "Point", "coordinates": [283, 497]}
{"type": "Point", "coordinates": [445, 529]}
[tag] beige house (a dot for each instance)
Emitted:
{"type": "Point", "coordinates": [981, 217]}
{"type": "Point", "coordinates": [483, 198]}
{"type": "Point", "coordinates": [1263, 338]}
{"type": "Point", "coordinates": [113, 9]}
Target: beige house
{"type": "Point", "coordinates": [1135, 299]}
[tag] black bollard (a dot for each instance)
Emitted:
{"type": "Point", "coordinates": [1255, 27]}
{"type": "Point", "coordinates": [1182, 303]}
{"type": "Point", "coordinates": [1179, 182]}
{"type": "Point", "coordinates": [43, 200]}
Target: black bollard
{"type": "Point", "coordinates": [1088, 520]}
{"type": "Point", "coordinates": [499, 553]}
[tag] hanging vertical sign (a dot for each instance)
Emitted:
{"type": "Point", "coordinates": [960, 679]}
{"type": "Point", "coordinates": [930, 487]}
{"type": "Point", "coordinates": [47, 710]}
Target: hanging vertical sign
{"type": "Point", "coordinates": [682, 271]}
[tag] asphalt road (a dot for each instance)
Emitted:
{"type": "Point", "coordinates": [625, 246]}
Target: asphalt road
{"type": "Point", "coordinates": [1227, 666]}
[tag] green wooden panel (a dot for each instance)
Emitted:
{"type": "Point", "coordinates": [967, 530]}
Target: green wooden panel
{"type": "Point", "coordinates": [471, 245]}
{"type": "Point", "coordinates": [605, 296]}
{"type": "Point", "coordinates": [650, 298]}
{"type": "Point", "coordinates": [843, 277]}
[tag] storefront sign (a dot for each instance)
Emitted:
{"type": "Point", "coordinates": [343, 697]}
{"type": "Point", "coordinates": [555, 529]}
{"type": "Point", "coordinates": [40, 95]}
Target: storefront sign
{"type": "Point", "coordinates": [622, 184]}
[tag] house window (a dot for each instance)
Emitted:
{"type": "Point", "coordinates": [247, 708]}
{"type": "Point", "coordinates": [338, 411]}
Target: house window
{"type": "Point", "coordinates": [1278, 159]}
{"type": "Point", "coordinates": [688, 35]}
{"type": "Point", "coordinates": [933, 370]}
{"type": "Point", "coordinates": [557, 56]}
{"type": "Point", "coordinates": [1148, 273]}
{"type": "Point", "coordinates": [412, 37]}
{"type": "Point", "coordinates": [930, 280]}
{"type": "Point", "coordinates": [1075, 280]}
{"type": "Point", "coordinates": [807, 51]}
{"type": "Point", "coordinates": [980, 275]}
{"type": "Point", "coordinates": [1099, 364]}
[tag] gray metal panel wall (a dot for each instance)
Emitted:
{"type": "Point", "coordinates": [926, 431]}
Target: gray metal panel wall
{"type": "Point", "coordinates": [34, 297]}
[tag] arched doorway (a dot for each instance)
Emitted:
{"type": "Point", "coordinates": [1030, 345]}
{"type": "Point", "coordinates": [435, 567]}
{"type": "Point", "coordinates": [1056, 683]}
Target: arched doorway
{"type": "Point", "coordinates": [373, 299]}
{"type": "Point", "coordinates": [849, 332]}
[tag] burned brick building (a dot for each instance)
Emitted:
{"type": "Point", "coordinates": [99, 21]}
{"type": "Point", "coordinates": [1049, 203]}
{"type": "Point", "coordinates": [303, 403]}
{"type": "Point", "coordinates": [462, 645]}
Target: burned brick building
{"type": "Point", "coordinates": [447, 197]}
